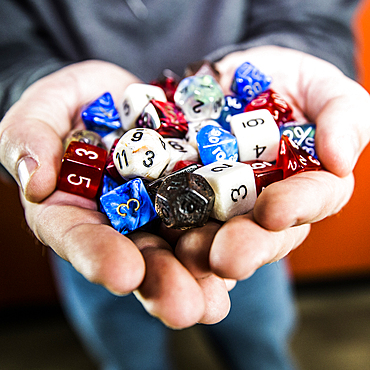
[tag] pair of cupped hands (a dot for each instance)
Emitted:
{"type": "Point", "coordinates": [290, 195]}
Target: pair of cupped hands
{"type": "Point", "coordinates": [183, 277]}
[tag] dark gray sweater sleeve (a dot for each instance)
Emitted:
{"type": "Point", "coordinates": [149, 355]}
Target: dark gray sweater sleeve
{"type": "Point", "coordinates": [38, 37]}
{"type": "Point", "coordinates": [319, 27]}
{"type": "Point", "coordinates": [25, 55]}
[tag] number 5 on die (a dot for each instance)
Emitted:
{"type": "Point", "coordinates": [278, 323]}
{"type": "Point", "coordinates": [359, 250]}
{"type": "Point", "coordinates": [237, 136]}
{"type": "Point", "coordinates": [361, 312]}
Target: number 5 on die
{"type": "Point", "coordinates": [82, 169]}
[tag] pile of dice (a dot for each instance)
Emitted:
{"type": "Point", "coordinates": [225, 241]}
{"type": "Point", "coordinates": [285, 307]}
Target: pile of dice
{"type": "Point", "coordinates": [180, 150]}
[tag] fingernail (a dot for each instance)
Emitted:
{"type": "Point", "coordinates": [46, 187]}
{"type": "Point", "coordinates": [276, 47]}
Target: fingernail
{"type": "Point", "coordinates": [26, 167]}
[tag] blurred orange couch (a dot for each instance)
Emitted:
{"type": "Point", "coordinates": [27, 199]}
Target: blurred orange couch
{"type": "Point", "coordinates": [339, 246]}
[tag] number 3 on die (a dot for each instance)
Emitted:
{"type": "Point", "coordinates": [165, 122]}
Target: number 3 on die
{"type": "Point", "coordinates": [82, 169]}
{"type": "Point", "coordinates": [234, 187]}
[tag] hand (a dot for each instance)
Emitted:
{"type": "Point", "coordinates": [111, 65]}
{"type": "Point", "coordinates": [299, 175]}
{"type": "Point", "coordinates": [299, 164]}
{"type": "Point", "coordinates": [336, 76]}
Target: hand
{"type": "Point", "coordinates": [31, 149]}
{"type": "Point", "coordinates": [318, 92]}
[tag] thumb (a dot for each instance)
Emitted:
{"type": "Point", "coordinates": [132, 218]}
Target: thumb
{"type": "Point", "coordinates": [31, 151]}
{"type": "Point", "coordinates": [339, 107]}
{"type": "Point", "coordinates": [32, 131]}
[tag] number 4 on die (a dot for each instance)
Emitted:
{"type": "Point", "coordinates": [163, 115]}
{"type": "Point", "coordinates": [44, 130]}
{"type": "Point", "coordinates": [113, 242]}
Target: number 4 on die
{"type": "Point", "coordinates": [257, 135]}
{"type": "Point", "coordinates": [293, 159]}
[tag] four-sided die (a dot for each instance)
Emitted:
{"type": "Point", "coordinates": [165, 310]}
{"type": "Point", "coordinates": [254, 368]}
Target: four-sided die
{"type": "Point", "coordinates": [101, 115]}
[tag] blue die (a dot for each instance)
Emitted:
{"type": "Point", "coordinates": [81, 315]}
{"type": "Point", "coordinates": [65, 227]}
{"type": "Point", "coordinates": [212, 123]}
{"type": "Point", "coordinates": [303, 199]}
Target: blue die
{"type": "Point", "coordinates": [101, 115]}
{"type": "Point", "coordinates": [128, 206]}
{"type": "Point", "coordinates": [216, 144]}
{"type": "Point", "coordinates": [233, 105]}
{"type": "Point", "coordinates": [107, 185]}
{"type": "Point", "coordinates": [249, 81]}
{"type": "Point", "coordinates": [302, 134]}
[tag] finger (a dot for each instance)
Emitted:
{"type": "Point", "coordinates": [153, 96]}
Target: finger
{"type": "Point", "coordinates": [241, 246]}
{"type": "Point", "coordinates": [193, 250]}
{"type": "Point", "coordinates": [32, 130]}
{"type": "Point", "coordinates": [216, 299]}
{"type": "Point", "coordinates": [320, 91]}
{"type": "Point", "coordinates": [339, 107]}
{"type": "Point", "coordinates": [170, 235]}
{"type": "Point", "coordinates": [304, 198]}
{"type": "Point", "coordinates": [193, 247]}
{"type": "Point", "coordinates": [283, 69]}
{"type": "Point", "coordinates": [168, 291]}
{"type": "Point", "coordinates": [230, 284]}
{"type": "Point", "coordinates": [81, 235]}
{"type": "Point", "coordinates": [31, 150]}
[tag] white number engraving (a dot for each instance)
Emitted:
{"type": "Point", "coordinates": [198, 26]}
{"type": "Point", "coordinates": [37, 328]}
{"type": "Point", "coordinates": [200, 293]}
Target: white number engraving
{"type": "Point", "coordinates": [80, 181]}
{"type": "Point", "coordinates": [91, 154]}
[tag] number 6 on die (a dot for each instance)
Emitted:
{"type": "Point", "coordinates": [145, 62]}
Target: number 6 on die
{"type": "Point", "coordinates": [257, 134]}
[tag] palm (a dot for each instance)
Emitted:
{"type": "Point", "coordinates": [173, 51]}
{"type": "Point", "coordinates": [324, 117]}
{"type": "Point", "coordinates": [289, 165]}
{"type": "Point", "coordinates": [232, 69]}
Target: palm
{"type": "Point", "coordinates": [319, 93]}
{"type": "Point", "coordinates": [184, 290]}
{"type": "Point", "coordinates": [70, 224]}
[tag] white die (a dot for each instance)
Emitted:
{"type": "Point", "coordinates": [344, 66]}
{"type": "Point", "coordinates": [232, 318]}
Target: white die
{"type": "Point", "coordinates": [180, 150]}
{"type": "Point", "coordinates": [134, 100]}
{"type": "Point", "coordinates": [257, 134]}
{"type": "Point", "coordinates": [234, 187]}
{"type": "Point", "coordinates": [194, 128]}
{"type": "Point", "coordinates": [141, 152]}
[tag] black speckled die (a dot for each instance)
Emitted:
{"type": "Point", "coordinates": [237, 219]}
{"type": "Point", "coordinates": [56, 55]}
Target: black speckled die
{"type": "Point", "coordinates": [184, 201]}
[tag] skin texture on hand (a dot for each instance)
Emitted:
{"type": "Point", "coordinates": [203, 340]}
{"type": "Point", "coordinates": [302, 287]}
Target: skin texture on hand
{"type": "Point", "coordinates": [280, 221]}
{"type": "Point", "coordinates": [320, 93]}
{"type": "Point", "coordinates": [31, 137]}
{"type": "Point", "coordinates": [192, 285]}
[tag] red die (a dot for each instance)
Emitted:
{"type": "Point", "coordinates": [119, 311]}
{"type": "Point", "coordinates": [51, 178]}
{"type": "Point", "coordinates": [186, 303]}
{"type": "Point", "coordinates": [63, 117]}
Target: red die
{"type": "Point", "coordinates": [182, 164]}
{"type": "Point", "coordinates": [293, 159]}
{"type": "Point", "coordinates": [82, 169]}
{"type": "Point", "coordinates": [275, 104]}
{"type": "Point", "coordinates": [265, 173]}
{"type": "Point", "coordinates": [165, 118]}
{"type": "Point", "coordinates": [110, 166]}
{"type": "Point", "coordinates": [168, 81]}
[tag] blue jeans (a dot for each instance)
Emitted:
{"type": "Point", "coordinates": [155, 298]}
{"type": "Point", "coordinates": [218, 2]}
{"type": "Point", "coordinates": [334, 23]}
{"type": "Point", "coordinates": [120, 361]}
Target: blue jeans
{"type": "Point", "coordinates": [119, 333]}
